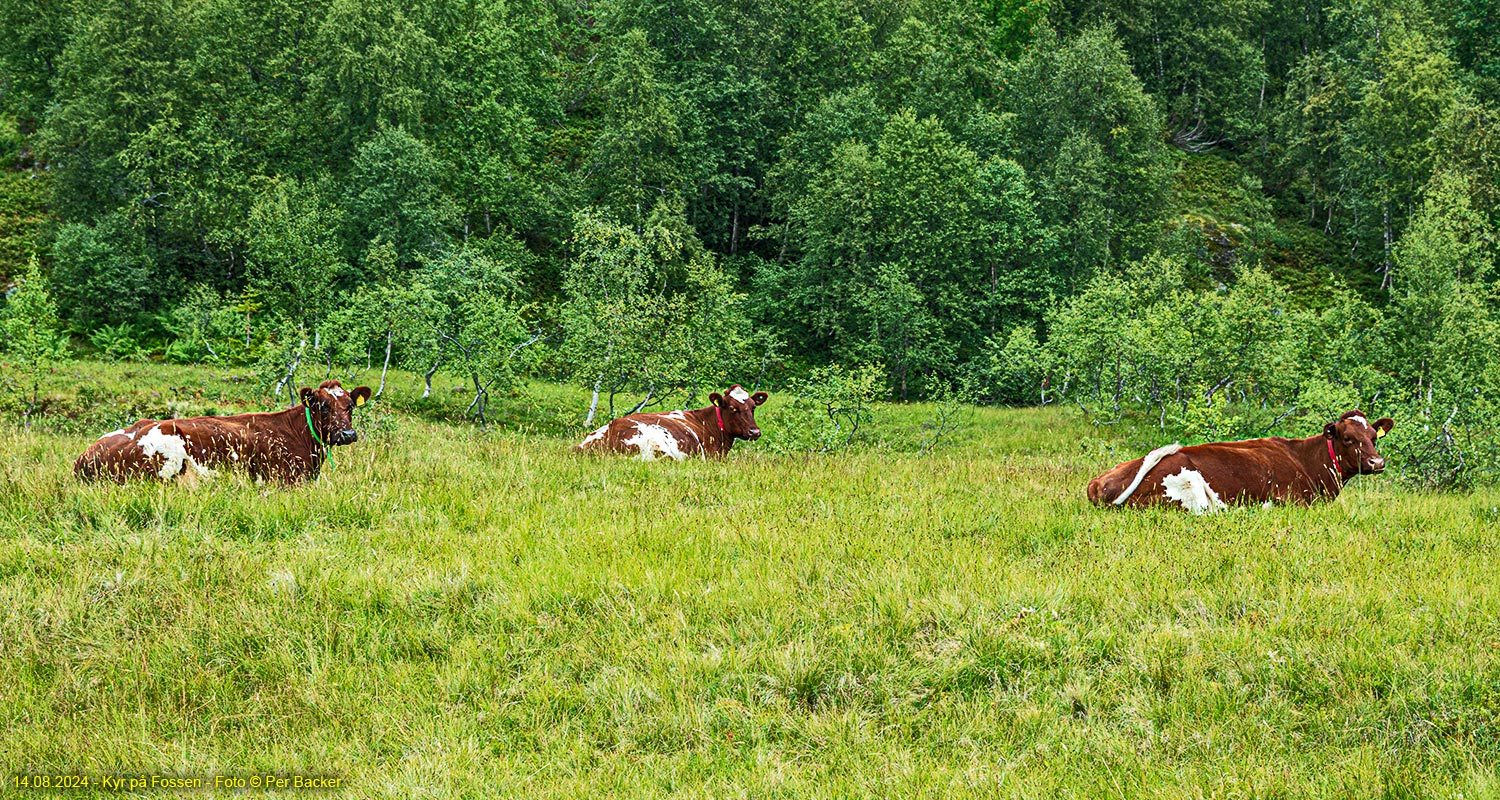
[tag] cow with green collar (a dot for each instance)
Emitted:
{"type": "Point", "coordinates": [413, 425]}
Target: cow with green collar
{"type": "Point", "coordinates": [287, 446]}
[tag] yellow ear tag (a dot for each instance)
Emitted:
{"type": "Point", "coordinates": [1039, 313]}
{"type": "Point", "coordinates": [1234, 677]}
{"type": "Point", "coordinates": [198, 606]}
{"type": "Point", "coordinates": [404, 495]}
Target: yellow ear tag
{"type": "Point", "coordinates": [1379, 432]}
{"type": "Point", "coordinates": [359, 400]}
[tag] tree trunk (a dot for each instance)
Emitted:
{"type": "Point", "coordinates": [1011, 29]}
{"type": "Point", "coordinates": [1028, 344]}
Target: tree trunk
{"type": "Point", "coordinates": [477, 405]}
{"type": "Point", "coordinates": [594, 402]}
{"type": "Point", "coordinates": [291, 369]}
{"type": "Point", "coordinates": [387, 365]}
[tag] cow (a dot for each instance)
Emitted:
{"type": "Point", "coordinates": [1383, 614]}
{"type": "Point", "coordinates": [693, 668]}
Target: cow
{"type": "Point", "coordinates": [677, 435]}
{"type": "Point", "coordinates": [1207, 477]}
{"type": "Point", "coordinates": [285, 446]}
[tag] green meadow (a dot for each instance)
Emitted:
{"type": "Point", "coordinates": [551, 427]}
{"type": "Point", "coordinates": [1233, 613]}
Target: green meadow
{"type": "Point", "coordinates": [467, 612]}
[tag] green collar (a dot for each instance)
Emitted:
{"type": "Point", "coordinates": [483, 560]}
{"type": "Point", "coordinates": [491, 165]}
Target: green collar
{"type": "Point", "coordinates": [327, 451]}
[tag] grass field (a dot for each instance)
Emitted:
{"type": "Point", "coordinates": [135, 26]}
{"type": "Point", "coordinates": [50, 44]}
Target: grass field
{"type": "Point", "coordinates": [458, 612]}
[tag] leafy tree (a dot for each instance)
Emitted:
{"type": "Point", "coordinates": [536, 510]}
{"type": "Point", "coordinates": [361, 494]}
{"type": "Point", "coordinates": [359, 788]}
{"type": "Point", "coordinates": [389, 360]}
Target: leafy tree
{"type": "Point", "coordinates": [1390, 152]}
{"type": "Point", "coordinates": [29, 327]}
{"type": "Point", "coordinates": [392, 195]}
{"type": "Point", "coordinates": [1089, 136]}
{"type": "Point", "coordinates": [469, 303]}
{"type": "Point", "coordinates": [1204, 64]}
{"type": "Point", "coordinates": [114, 83]}
{"type": "Point", "coordinates": [634, 163]}
{"type": "Point", "coordinates": [501, 87]}
{"type": "Point", "coordinates": [1014, 22]}
{"type": "Point", "coordinates": [1440, 264]}
{"type": "Point", "coordinates": [647, 312]}
{"type": "Point", "coordinates": [293, 255]}
{"type": "Point", "coordinates": [206, 326]}
{"type": "Point", "coordinates": [376, 68]}
{"type": "Point", "coordinates": [103, 273]}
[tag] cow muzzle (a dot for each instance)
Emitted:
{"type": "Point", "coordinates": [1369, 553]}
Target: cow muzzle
{"type": "Point", "coordinates": [1376, 464]}
{"type": "Point", "coordinates": [345, 437]}
{"type": "Point", "coordinates": [752, 434]}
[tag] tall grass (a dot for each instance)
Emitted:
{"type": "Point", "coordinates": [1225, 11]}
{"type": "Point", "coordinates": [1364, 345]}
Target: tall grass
{"type": "Point", "coordinates": [457, 612]}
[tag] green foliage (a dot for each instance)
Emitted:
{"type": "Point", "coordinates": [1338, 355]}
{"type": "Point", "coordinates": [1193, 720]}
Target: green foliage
{"type": "Point", "coordinates": [634, 165]}
{"type": "Point", "coordinates": [823, 412]}
{"type": "Point", "coordinates": [648, 312]}
{"type": "Point", "coordinates": [911, 252]}
{"type": "Point", "coordinates": [207, 326]}
{"type": "Point", "coordinates": [23, 217]}
{"type": "Point", "coordinates": [1144, 340]}
{"type": "Point", "coordinates": [118, 342]}
{"type": "Point", "coordinates": [1089, 135]}
{"type": "Point", "coordinates": [29, 335]}
{"type": "Point", "coordinates": [1441, 330]}
{"type": "Point", "coordinates": [292, 254]}
{"type": "Point", "coordinates": [393, 196]}
{"type": "Point", "coordinates": [1013, 369]}
{"type": "Point", "coordinates": [103, 273]}
{"type": "Point", "coordinates": [1204, 63]}
{"type": "Point", "coordinates": [1015, 22]}
{"type": "Point", "coordinates": [475, 322]}
{"type": "Point", "coordinates": [943, 188]}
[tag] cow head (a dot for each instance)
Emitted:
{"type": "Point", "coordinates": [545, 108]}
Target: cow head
{"type": "Point", "coordinates": [1353, 439]}
{"type": "Point", "coordinates": [332, 411]}
{"type": "Point", "coordinates": [737, 410]}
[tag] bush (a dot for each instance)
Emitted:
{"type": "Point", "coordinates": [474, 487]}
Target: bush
{"type": "Point", "coordinates": [28, 335]}
{"type": "Point", "coordinates": [823, 412]}
{"type": "Point", "coordinates": [102, 274]}
{"type": "Point", "coordinates": [1011, 370]}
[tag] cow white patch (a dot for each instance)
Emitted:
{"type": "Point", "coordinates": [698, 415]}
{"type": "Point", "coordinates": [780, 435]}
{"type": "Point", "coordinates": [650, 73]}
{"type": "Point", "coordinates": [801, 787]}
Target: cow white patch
{"type": "Point", "coordinates": [739, 394]}
{"type": "Point", "coordinates": [1360, 420]}
{"type": "Point", "coordinates": [1147, 464]}
{"type": "Point", "coordinates": [336, 391]}
{"type": "Point", "coordinates": [653, 439]}
{"type": "Point", "coordinates": [172, 449]}
{"type": "Point", "coordinates": [121, 432]}
{"type": "Point", "coordinates": [682, 417]}
{"type": "Point", "coordinates": [594, 437]}
{"type": "Point", "coordinates": [1191, 489]}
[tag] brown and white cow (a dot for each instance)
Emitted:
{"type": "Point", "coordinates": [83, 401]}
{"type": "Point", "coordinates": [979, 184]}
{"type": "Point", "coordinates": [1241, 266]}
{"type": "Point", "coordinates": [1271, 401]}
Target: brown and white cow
{"type": "Point", "coordinates": [1206, 477]}
{"type": "Point", "coordinates": [678, 435]}
{"type": "Point", "coordinates": [287, 446]}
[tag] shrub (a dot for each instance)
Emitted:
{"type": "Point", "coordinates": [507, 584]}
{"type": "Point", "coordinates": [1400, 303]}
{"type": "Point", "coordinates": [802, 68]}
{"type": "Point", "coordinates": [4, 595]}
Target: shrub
{"type": "Point", "coordinates": [29, 335]}
{"type": "Point", "coordinates": [824, 412]}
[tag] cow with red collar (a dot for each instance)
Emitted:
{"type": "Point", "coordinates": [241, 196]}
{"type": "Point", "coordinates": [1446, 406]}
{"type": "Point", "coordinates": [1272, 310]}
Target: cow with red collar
{"type": "Point", "coordinates": [677, 435]}
{"type": "Point", "coordinates": [1206, 477]}
{"type": "Point", "coordinates": [286, 446]}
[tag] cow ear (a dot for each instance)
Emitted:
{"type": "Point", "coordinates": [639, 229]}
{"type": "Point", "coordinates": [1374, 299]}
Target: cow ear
{"type": "Point", "coordinates": [1383, 426]}
{"type": "Point", "coordinates": [307, 396]}
{"type": "Point", "coordinates": [1330, 430]}
{"type": "Point", "coordinates": [760, 397]}
{"type": "Point", "coordinates": [361, 395]}
{"type": "Point", "coordinates": [716, 398]}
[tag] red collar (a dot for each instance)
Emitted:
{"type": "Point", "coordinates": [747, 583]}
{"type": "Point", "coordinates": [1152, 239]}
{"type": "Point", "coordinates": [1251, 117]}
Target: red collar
{"type": "Point", "coordinates": [719, 415]}
{"type": "Point", "coordinates": [1337, 468]}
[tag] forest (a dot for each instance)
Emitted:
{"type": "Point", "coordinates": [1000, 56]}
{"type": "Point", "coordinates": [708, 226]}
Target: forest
{"type": "Point", "coordinates": [1222, 217]}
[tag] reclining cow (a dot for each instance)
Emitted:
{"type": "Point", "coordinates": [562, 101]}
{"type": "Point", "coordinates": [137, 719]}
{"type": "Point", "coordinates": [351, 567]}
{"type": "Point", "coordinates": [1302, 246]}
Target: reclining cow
{"type": "Point", "coordinates": [677, 435]}
{"type": "Point", "coordinates": [1205, 477]}
{"type": "Point", "coordinates": [286, 446]}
